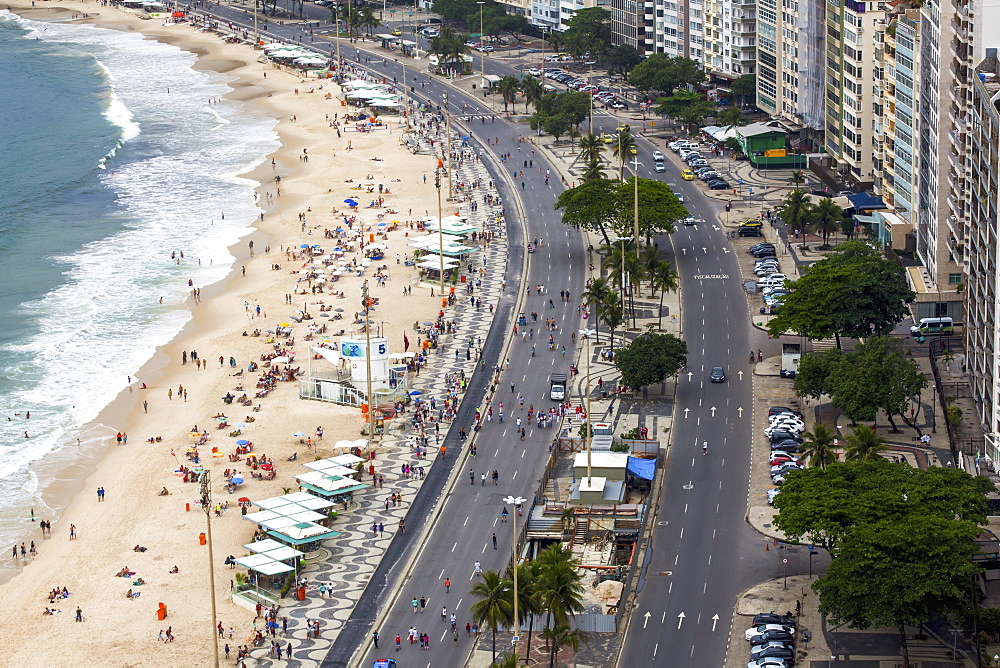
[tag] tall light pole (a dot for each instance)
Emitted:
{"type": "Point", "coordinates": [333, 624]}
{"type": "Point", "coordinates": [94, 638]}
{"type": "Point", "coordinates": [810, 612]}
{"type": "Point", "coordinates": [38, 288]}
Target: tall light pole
{"type": "Point", "coordinates": [447, 143]}
{"type": "Point", "coordinates": [336, 18]}
{"type": "Point", "coordinates": [635, 219]}
{"type": "Point", "coordinates": [482, 51]}
{"type": "Point", "coordinates": [437, 184]}
{"type": "Point", "coordinates": [515, 501]}
{"type": "Point", "coordinates": [368, 361]}
{"type": "Point", "coordinates": [206, 505]}
{"type": "Point", "coordinates": [586, 334]}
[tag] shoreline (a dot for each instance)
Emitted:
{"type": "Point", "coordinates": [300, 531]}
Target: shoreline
{"type": "Point", "coordinates": [140, 515]}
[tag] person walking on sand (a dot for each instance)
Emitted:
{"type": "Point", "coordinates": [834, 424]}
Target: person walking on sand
{"type": "Point", "coordinates": [72, 532]}
{"type": "Point", "coordinates": [100, 494]}
{"type": "Point", "coordinates": [79, 614]}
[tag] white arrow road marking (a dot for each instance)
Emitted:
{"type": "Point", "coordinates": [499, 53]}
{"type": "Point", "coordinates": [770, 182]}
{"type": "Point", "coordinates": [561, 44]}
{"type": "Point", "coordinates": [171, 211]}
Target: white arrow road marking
{"type": "Point", "coordinates": [646, 619]}
{"type": "Point", "coordinates": [715, 620]}
{"type": "Point", "coordinates": [680, 620]}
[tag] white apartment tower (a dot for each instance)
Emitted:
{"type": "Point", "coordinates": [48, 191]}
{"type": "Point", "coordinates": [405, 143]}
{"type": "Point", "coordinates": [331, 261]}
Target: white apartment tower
{"type": "Point", "coordinates": [730, 49]}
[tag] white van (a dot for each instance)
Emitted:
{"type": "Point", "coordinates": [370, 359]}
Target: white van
{"type": "Point", "coordinates": [932, 326]}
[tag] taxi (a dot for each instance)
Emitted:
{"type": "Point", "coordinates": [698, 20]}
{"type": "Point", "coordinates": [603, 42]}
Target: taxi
{"type": "Point", "coordinates": [624, 127]}
{"type": "Point", "coordinates": [687, 175]}
{"type": "Point", "coordinates": [397, 32]}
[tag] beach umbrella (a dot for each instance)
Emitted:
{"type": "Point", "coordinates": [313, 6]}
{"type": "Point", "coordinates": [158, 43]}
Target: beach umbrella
{"type": "Point", "coordinates": [298, 434]}
{"type": "Point", "coordinates": [427, 323]}
{"type": "Point", "coordinates": [382, 224]}
{"type": "Point", "coordinates": [415, 393]}
{"type": "Point", "coordinates": [243, 499]}
{"type": "Point", "coordinates": [243, 441]}
{"type": "Point", "coordinates": [269, 331]}
{"type": "Point", "coordinates": [221, 419]}
{"type": "Point", "coordinates": [236, 480]}
{"type": "Point", "coordinates": [339, 310]}
{"type": "Point", "coordinates": [240, 425]}
{"type": "Point", "coordinates": [304, 246]}
{"type": "Point", "coordinates": [283, 324]}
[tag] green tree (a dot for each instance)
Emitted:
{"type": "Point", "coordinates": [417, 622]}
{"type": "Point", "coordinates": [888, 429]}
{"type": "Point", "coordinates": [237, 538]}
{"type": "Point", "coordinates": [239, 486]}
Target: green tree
{"type": "Point", "coordinates": [812, 378]}
{"type": "Point", "coordinates": [509, 87]}
{"type": "Point", "coordinates": [864, 444]}
{"type": "Point", "coordinates": [900, 571]}
{"type": "Point", "coordinates": [593, 21]}
{"type": "Point", "coordinates": [622, 59]}
{"type": "Point", "coordinates": [664, 73]}
{"type": "Point", "coordinates": [825, 505]}
{"type": "Point", "coordinates": [860, 292]}
{"type": "Point", "coordinates": [626, 270]}
{"type": "Point", "coordinates": [880, 374]}
{"type": "Point", "coordinates": [744, 87]}
{"type": "Point", "coordinates": [528, 600]}
{"type": "Point", "coordinates": [624, 145]}
{"type": "Point", "coordinates": [368, 20]}
{"type": "Point", "coordinates": [797, 178]}
{"type": "Point", "coordinates": [664, 278]}
{"type": "Point", "coordinates": [508, 660]}
{"type": "Point", "coordinates": [593, 170]}
{"type": "Point", "coordinates": [817, 446]}
{"type": "Point", "coordinates": [650, 358]}
{"type": "Point", "coordinates": [826, 218]}
{"type": "Point", "coordinates": [691, 117]}
{"type": "Point", "coordinates": [494, 607]}
{"type": "Point", "coordinates": [560, 590]}
{"type": "Point", "coordinates": [672, 105]}
{"type": "Point", "coordinates": [603, 205]}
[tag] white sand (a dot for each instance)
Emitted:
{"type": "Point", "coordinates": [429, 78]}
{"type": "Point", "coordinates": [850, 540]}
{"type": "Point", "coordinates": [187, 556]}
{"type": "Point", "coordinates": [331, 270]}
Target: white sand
{"type": "Point", "coordinates": [118, 631]}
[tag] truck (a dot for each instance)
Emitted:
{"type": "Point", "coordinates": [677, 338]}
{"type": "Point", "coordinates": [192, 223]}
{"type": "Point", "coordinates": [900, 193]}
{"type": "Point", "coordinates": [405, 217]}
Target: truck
{"type": "Point", "coordinates": [557, 386]}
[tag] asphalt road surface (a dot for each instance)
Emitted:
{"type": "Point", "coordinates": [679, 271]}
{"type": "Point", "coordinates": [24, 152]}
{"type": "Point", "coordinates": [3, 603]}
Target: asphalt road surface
{"type": "Point", "coordinates": [701, 552]}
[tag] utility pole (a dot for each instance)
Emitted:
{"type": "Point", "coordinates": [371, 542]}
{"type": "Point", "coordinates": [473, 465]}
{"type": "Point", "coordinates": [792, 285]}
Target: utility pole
{"type": "Point", "coordinates": [206, 505]}
{"type": "Point", "coordinates": [635, 221]}
{"type": "Point", "coordinates": [447, 143]}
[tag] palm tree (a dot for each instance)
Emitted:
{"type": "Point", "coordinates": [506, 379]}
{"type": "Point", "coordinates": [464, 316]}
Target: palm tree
{"type": "Point", "coordinates": [731, 117]}
{"type": "Point", "coordinates": [574, 134]}
{"type": "Point", "coordinates": [690, 117]}
{"type": "Point", "coordinates": [560, 590]}
{"type": "Point", "coordinates": [623, 149]}
{"type": "Point", "coordinates": [353, 20]}
{"type": "Point", "coordinates": [494, 607]}
{"type": "Point", "coordinates": [818, 446]}
{"type": "Point", "coordinates": [795, 210]}
{"type": "Point", "coordinates": [368, 19]}
{"type": "Point", "coordinates": [664, 278]}
{"type": "Point", "coordinates": [612, 314]}
{"type": "Point", "coordinates": [594, 169]}
{"type": "Point", "coordinates": [626, 270]}
{"type": "Point", "coordinates": [826, 218]}
{"type": "Point", "coordinates": [797, 178]}
{"type": "Point", "coordinates": [508, 660]}
{"type": "Point", "coordinates": [556, 39]}
{"type": "Point", "coordinates": [560, 636]}
{"type": "Point", "coordinates": [509, 87]}
{"type": "Point", "coordinates": [595, 296]}
{"type": "Point", "coordinates": [528, 578]}
{"type": "Point", "coordinates": [590, 146]}
{"type": "Point", "coordinates": [533, 91]}
{"type": "Point", "coordinates": [649, 256]}
{"type": "Point", "coordinates": [864, 445]}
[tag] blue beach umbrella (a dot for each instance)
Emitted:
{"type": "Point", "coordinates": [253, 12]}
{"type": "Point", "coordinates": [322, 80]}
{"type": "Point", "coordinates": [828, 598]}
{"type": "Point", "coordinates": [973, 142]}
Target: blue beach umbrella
{"type": "Point", "coordinates": [304, 246]}
{"type": "Point", "coordinates": [237, 480]}
{"type": "Point", "coordinates": [243, 441]}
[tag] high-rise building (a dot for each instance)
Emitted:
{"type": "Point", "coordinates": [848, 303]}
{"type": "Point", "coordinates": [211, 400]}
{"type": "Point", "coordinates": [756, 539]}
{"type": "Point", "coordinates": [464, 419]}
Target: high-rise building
{"type": "Point", "coordinates": [982, 331]}
{"type": "Point", "coordinates": [730, 48]}
{"type": "Point", "coordinates": [791, 67]}
{"type": "Point", "coordinates": [851, 95]}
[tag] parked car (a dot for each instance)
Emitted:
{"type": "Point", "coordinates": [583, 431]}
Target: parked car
{"type": "Point", "coordinates": [772, 636]}
{"type": "Point", "coordinates": [762, 628]}
{"type": "Point", "coordinates": [786, 446]}
{"type": "Point", "coordinates": [773, 652]}
{"type": "Point", "coordinates": [719, 185]}
{"type": "Point", "coordinates": [768, 662]}
{"type": "Point", "coordinates": [690, 220]}
{"type": "Point", "coordinates": [773, 410]}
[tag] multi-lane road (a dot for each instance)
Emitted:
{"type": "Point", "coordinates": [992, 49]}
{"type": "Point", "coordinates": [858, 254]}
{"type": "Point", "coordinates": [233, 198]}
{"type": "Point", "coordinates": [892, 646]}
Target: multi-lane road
{"type": "Point", "coordinates": [700, 553]}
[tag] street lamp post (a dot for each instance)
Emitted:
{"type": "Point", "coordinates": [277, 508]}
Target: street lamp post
{"type": "Point", "coordinates": [586, 334]}
{"type": "Point", "coordinates": [635, 216]}
{"type": "Point", "coordinates": [368, 361]}
{"type": "Point", "coordinates": [514, 501]}
{"type": "Point", "coordinates": [447, 144]}
{"type": "Point", "coordinates": [206, 505]}
{"type": "Point", "coordinates": [437, 184]}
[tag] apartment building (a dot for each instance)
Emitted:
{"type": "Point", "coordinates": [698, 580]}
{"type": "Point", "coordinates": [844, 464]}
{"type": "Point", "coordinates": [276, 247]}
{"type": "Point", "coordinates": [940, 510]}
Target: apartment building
{"type": "Point", "coordinates": [982, 336]}
{"type": "Point", "coordinates": [730, 48]}
{"type": "Point", "coordinates": [791, 66]}
{"type": "Point", "coordinates": [850, 94]}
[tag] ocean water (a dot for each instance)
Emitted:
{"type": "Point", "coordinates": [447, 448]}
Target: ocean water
{"type": "Point", "coordinates": [113, 158]}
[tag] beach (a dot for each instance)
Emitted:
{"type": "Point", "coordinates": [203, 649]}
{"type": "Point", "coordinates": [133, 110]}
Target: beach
{"type": "Point", "coordinates": [317, 168]}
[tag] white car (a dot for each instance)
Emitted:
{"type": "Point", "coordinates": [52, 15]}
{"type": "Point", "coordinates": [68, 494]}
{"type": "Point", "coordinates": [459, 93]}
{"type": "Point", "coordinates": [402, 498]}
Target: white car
{"type": "Point", "coordinates": [659, 167]}
{"type": "Point", "coordinates": [658, 156]}
{"type": "Point", "coordinates": [757, 630]}
{"type": "Point", "coordinates": [680, 197]}
{"type": "Point", "coordinates": [786, 420]}
{"type": "Point", "coordinates": [771, 495]}
{"type": "Point", "coordinates": [784, 417]}
{"type": "Point", "coordinates": [779, 469]}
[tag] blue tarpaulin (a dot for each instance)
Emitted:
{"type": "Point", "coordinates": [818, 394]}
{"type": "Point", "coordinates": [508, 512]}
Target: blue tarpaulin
{"type": "Point", "coordinates": [641, 468]}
